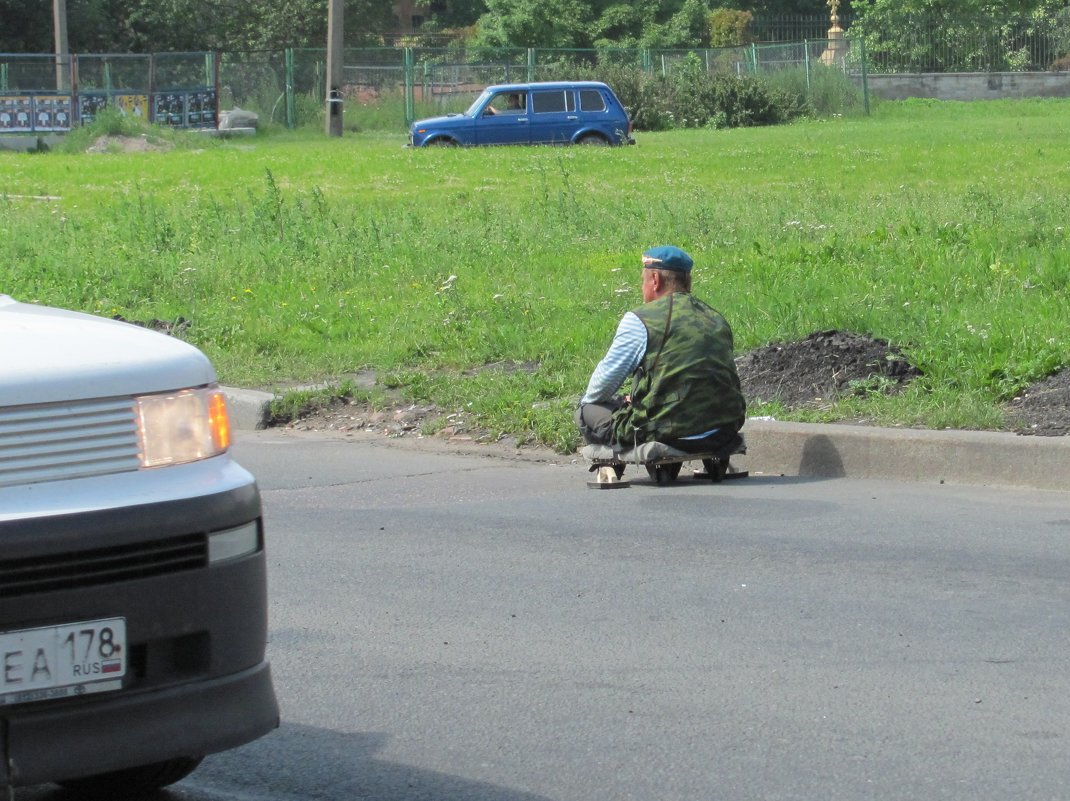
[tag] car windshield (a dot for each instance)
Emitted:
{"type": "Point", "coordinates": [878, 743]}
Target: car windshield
{"type": "Point", "coordinates": [477, 103]}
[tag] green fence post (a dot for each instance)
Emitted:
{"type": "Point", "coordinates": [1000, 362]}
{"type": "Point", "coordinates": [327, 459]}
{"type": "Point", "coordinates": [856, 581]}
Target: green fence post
{"type": "Point", "coordinates": [291, 111]}
{"type": "Point", "coordinates": [865, 78]}
{"type": "Point", "coordinates": [754, 58]}
{"type": "Point", "coordinates": [428, 85]}
{"type": "Point", "coordinates": [531, 64]}
{"type": "Point", "coordinates": [644, 56]}
{"type": "Point", "coordinates": [806, 56]}
{"type": "Point", "coordinates": [410, 100]}
{"type": "Point", "coordinates": [3, 77]}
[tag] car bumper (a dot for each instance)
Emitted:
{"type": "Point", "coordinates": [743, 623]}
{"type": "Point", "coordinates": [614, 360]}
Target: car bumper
{"type": "Point", "coordinates": [196, 627]}
{"type": "Point", "coordinates": [121, 731]}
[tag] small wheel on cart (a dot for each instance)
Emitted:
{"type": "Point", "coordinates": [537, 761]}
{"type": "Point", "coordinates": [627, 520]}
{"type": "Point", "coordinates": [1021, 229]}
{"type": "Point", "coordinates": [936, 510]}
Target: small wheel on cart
{"type": "Point", "coordinates": [619, 470]}
{"type": "Point", "coordinates": [715, 469]}
{"type": "Point", "coordinates": [664, 473]}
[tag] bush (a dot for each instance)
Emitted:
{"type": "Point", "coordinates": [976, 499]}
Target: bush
{"type": "Point", "coordinates": [829, 92]}
{"type": "Point", "coordinates": [729, 27]}
{"type": "Point", "coordinates": [691, 97]}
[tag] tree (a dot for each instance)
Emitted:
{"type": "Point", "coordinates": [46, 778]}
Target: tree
{"type": "Point", "coordinates": [25, 27]}
{"type": "Point", "coordinates": [621, 24]}
{"type": "Point", "coordinates": [453, 14]}
{"type": "Point", "coordinates": [687, 27]}
{"type": "Point", "coordinates": [534, 23]}
{"type": "Point", "coordinates": [728, 28]}
{"type": "Point", "coordinates": [947, 35]}
{"type": "Point", "coordinates": [601, 23]}
{"type": "Point", "coordinates": [142, 26]}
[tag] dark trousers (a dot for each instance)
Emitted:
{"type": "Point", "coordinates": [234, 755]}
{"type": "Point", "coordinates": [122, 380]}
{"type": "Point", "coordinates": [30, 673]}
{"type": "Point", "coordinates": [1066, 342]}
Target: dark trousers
{"type": "Point", "coordinates": [595, 421]}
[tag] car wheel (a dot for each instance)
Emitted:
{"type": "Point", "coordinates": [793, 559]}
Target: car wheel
{"type": "Point", "coordinates": [132, 782]}
{"type": "Point", "coordinates": [442, 142]}
{"type": "Point", "coordinates": [592, 139]}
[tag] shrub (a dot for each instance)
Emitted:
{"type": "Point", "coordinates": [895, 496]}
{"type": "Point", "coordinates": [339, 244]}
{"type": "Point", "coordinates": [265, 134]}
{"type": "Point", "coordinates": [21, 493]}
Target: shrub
{"type": "Point", "coordinates": [691, 97]}
{"type": "Point", "coordinates": [729, 27]}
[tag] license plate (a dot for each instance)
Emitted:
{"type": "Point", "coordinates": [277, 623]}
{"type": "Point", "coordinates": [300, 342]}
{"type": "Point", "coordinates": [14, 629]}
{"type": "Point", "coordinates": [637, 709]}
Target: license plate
{"type": "Point", "coordinates": [61, 661]}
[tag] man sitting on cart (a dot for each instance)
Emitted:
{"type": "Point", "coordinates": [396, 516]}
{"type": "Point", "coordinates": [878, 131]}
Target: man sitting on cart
{"type": "Point", "coordinates": [685, 391]}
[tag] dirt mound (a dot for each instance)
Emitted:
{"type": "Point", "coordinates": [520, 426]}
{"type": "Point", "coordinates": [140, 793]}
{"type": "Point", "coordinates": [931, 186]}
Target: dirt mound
{"type": "Point", "coordinates": [127, 144]}
{"type": "Point", "coordinates": [811, 373]}
{"type": "Point", "coordinates": [1042, 408]}
{"type": "Point", "coordinates": [824, 366]}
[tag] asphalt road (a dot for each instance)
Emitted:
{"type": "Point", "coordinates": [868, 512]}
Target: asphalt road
{"type": "Point", "coordinates": [450, 627]}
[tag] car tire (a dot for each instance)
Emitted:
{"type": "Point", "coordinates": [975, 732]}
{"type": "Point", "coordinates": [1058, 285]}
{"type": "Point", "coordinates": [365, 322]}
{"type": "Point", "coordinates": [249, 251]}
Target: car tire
{"type": "Point", "coordinates": [132, 782]}
{"type": "Point", "coordinates": [592, 139]}
{"type": "Point", "coordinates": [443, 141]}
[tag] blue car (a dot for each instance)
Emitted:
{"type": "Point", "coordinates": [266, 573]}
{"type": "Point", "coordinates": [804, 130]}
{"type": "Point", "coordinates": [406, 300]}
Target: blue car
{"type": "Point", "coordinates": [557, 112]}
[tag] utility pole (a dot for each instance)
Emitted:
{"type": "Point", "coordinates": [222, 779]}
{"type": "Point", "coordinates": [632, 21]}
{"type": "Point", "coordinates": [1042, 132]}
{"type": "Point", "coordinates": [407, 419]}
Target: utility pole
{"type": "Point", "coordinates": [335, 9]}
{"type": "Point", "coordinates": [59, 24]}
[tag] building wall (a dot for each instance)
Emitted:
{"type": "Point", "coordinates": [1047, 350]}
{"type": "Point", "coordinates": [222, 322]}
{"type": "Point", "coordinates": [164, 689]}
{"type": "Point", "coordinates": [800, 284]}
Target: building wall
{"type": "Point", "coordinates": [970, 85]}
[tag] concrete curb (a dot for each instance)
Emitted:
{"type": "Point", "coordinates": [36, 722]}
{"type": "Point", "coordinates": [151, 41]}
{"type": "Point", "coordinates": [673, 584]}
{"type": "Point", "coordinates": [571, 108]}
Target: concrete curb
{"type": "Point", "coordinates": [982, 458]}
{"type": "Point", "coordinates": [249, 409]}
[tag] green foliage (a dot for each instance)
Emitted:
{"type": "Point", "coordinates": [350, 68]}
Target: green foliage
{"type": "Point", "coordinates": [141, 26]}
{"type": "Point", "coordinates": [691, 97]}
{"type": "Point", "coordinates": [825, 92]}
{"type": "Point", "coordinates": [960, 35]}
{"type": "Point", "coordinates": [686, 27]}
{"type": "Point", "coordinates": [309, 110]}
{"type": "Point", "coordinates": [523, 23]}
{"type": "Point", "coordinates": [299, 259]}
{"type": "Point", "coordinates": [573, 23]}
{"type": "Point", "coordinates": [729, 27]}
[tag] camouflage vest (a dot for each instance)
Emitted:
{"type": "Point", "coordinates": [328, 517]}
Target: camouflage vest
{"type": "Point", "coordinates": [687, 382]}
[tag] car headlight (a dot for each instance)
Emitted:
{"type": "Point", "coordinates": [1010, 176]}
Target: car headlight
{"type": "Point", "coordinates": [183, 426]}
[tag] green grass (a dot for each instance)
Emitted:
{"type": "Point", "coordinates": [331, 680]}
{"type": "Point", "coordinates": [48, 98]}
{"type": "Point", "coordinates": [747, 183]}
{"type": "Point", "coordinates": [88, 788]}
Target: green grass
{"type": "Point", "coordinates": [938, 226]}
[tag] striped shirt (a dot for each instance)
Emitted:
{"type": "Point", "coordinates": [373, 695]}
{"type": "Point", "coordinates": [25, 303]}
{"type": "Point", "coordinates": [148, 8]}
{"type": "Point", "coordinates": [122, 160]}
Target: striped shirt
{"type": "Point", "coordinates": [620, 361]}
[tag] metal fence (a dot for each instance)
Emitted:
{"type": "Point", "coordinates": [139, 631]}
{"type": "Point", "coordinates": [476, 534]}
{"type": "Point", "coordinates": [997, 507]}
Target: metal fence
{"type": "Point", "coordinates": [35, 94]}
{"type": "Point", "coordinates": [39, 92]}
{"type": "Point", "coordinates": [792, 27]}
{"type": "Point", "coordinates": [932, 44]}
{"type": "Point", "coordinates": [414, 81]}
{"type": "Point", "coordinates": [43, 93]}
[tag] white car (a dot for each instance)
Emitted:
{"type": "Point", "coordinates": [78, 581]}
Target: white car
{"type": "Point", "coordinates": [133, 609]}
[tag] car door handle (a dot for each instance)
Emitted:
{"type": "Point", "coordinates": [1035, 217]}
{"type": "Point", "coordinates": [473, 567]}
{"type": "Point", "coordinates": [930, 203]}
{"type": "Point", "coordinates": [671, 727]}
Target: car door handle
{"type": "Point", "coordinates": [571, 118]}
{"type": "Point", "coordinates": [521, 119]}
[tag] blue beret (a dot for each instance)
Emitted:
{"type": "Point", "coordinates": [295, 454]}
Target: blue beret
{"type": "Point", "coordinates": [667, 257]}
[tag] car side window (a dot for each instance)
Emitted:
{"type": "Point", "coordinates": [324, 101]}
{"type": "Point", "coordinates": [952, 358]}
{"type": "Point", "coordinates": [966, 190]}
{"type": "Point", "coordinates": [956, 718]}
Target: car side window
{"type": "Point", "coordinates": [506, 103]}
{"type": "Point", "coordinates": [550, 101]}
{"type": "Point", "coordinates": [592, 100]}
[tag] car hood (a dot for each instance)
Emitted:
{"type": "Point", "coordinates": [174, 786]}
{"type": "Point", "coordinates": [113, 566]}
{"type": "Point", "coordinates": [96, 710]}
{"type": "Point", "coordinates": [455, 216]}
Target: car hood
{"type": "Point", "coordinates": [438, 122]}
{"type": "Point", "coordinates": [49, 355]}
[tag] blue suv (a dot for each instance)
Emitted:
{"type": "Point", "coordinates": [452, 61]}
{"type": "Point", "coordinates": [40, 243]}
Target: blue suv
{"type": "Point", "coordinates": [558, 112]}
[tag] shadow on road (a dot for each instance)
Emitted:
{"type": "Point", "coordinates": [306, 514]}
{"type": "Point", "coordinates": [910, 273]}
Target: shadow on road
{"type": "Point", "coordinates": [303, 762]}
